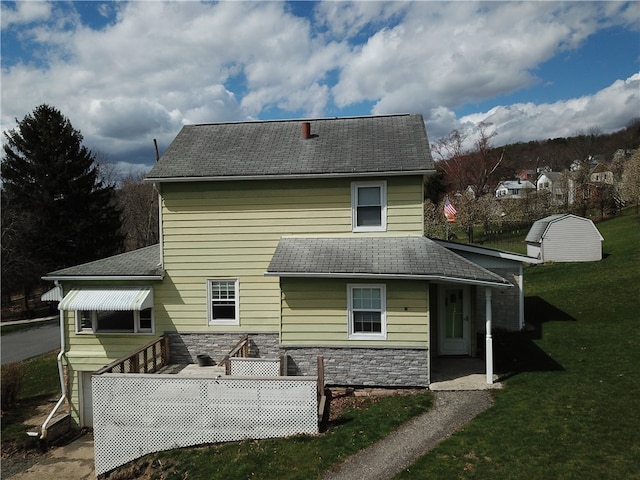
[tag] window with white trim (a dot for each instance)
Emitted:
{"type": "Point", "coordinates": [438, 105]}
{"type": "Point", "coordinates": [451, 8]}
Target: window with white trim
{"type": "Point", "coordinates": [369, 206]}
{"type": "Point", "coordinates": [125, 321]}
{"type": "Point", "coordinates": [223, 302]}
{"type": "Point", "coordinates": [367, 312]}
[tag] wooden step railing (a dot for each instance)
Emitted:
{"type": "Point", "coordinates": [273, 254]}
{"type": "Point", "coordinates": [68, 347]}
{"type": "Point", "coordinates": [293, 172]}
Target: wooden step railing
{"type": "Point", "coordinates": [148, 359]}
{"type": "Point", "coordinates": [241, 349]}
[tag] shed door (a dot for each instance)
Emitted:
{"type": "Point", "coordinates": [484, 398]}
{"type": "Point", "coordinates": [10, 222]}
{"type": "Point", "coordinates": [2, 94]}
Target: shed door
{"type": "Point", "coordinates": [454, 325]}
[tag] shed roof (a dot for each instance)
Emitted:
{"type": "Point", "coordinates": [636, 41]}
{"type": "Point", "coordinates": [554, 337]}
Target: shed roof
{"type": "Point", "coordinates": [141, 263]}
{"type": "Point", "coordinates": [376, 257]}
{"type": "Point", "coordinates": [393, 144]}
{"type": "Point", "coordinates": [540, 227]}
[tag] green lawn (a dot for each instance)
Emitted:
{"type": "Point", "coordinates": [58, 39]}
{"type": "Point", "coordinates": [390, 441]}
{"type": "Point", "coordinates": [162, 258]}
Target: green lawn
{"type": "Point", "coordinates": [571, 408]}
{"type": "Point", "coordinates": [300, 458]}
{"type": "Point", "coordinates": [40, 385]}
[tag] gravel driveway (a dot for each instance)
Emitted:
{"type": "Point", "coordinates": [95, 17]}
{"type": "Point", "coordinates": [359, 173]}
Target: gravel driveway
{"type": "Point", "coordinates": [403, 447]}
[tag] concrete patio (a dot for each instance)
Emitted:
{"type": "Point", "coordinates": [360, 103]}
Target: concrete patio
{"type": "Point", "coordinates": [460, 373]}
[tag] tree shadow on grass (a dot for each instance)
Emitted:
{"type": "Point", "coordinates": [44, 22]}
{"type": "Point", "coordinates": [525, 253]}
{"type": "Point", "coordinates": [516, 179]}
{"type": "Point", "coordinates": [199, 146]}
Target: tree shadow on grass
{"type": "Point", "coordinates": [517, 352]}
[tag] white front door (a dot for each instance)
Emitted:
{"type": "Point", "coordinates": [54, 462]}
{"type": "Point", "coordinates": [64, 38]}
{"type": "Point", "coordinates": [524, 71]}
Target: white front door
{"type": "Point", "coordinates": [454, 324]}
{"type": "Point", "coordinates": [86, 414]}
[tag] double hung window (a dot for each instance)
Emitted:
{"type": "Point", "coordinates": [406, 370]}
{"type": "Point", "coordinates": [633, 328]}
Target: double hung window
{"type": "Point", "coordinates": [367, 312]}
{"type": "Point", "coordinates": [369, 206]}
{"type": "Point", "coordinates": [223, 302]}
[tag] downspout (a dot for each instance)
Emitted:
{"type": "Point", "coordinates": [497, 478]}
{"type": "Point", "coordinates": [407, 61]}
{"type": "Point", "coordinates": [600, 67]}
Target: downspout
{"type": "Point", "coordinates": [63, 387]}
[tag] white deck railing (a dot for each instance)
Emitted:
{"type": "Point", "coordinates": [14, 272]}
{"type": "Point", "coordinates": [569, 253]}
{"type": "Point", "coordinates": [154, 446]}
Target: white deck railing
{"type": "Point", "coordinates": [137, 414]}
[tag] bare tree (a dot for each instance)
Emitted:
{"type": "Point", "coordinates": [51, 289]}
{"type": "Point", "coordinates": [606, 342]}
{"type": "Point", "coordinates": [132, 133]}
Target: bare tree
{"type": "Point", "coordinates": [477, 168]}
{"type": "Point", "coordinates": [585, 142]}
{"type": "Point", "coordinates": [452, 159]}
{"type": "Point", "coordinates": [139, 203]}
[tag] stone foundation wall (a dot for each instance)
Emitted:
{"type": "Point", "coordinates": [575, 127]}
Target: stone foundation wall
{"type": "Point", "coordinates": [185, 347]}
{"type": "Point", "coordinates": [380, 367]}
{"type": "Point", "coordinates": [352, 366]}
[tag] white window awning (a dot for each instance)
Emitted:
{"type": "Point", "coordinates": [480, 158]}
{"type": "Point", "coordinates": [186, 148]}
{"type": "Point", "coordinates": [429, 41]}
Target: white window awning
{"type": "Point", "coordinates": [52, 295]}
{"type": "Point", "coordinates": [108, 299]}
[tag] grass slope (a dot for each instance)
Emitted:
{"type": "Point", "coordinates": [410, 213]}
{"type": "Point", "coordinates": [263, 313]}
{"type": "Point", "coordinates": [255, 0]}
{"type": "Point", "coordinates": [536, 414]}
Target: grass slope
{"type": "Point", "coordinates": [572, 409]}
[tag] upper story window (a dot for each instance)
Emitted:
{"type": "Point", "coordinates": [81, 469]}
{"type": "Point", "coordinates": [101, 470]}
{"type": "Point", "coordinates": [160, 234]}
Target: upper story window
{"type": "Point", "coordinates": [223, 302]}
{"type": "Point", "coordinates": [116, 321]}
{"type": "Point", "coordinates": [369, 206]}
{"type": "Point", "coordinates": [367, 312]}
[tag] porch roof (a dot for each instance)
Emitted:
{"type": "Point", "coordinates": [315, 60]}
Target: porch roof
{"type": "Point", "coordinates": [141, 264]}
{"type": "Point", "coordinates": [416, 258]}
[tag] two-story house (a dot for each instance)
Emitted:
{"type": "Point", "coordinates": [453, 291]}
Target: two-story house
{"type": "Point", "coordinates": [308, 236]}
{"type": "Point", "coordinates": [559, 185]}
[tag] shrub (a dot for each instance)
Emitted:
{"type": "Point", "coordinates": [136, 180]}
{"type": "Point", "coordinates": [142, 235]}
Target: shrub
{"type": "Point", "coordinates": [12, 375]}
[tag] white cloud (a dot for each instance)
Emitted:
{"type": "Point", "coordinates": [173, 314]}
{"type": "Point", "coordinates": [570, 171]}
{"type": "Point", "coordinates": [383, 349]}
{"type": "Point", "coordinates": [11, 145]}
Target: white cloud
{"type": "Point", "coordinates": [458, 52]}
{"type": "Point", "coordinates": [348, 19]}
{"type": "Point", "coordinates": [24, 12]}
{"type": "Point", "coordinates": [157, 66]}
{"type": "Point", "coordinates": [606, 110]}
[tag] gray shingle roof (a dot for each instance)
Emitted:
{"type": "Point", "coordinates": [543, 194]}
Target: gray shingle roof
{"type": "Point", "coordinates": [413, 257]}
{"type": "Point", "coordinates": [553, 176]}
{"type": "Point", "coordinates": [338, 146]}
{"type": "Point", "coordinates": [540, 226]}
{"type": "Point", "coordinates": [144, 262]}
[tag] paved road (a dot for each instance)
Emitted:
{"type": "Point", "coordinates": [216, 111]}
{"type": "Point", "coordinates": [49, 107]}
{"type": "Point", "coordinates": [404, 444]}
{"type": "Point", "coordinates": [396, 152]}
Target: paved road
{"type": "Point", "coordinates": [30, 343]}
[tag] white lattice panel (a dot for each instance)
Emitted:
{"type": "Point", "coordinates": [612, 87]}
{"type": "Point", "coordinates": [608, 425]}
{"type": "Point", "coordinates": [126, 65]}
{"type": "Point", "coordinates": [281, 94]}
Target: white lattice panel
{"type": "Point", "coordinates": [137, 414]}
{"type": "Point", "coordinates": [254, 367]}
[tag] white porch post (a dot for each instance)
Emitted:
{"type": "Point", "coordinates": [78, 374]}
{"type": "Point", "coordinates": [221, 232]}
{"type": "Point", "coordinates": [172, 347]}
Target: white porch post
{"type": "Point", "coordinates": [488, 339]}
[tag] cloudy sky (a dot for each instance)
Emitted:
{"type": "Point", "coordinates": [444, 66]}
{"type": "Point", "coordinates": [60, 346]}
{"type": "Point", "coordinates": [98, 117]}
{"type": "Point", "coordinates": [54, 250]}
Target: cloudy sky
{"type": "Point", "coordinates": [125, 73]}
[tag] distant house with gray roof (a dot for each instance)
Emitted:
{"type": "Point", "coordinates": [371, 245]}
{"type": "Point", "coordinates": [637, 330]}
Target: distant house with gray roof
{"type": "Point", "coordinates": [305, 235]}
{"type": "Point", "coordinates": [559, 186]}
{"type": "Point", "coordinates": [514, 189]}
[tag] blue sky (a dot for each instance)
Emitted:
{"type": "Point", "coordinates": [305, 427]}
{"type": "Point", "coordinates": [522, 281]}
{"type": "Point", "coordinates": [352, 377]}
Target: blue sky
{"type": "Point", "coordinates": [128, 72]}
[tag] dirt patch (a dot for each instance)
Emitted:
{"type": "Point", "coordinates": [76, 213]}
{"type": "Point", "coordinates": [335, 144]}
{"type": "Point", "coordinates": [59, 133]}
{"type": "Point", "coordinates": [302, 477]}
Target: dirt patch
{"type": "Point", "coordinates": [19, 455]}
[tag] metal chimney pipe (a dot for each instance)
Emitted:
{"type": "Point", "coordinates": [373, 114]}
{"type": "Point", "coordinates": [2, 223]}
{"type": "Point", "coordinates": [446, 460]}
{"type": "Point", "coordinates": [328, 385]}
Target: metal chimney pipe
{"type": "Point", "coordinates": [306, 130]}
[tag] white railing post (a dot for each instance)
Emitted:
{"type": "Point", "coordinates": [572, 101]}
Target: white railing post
{"type": "Point", "coordinates": [488, 338]}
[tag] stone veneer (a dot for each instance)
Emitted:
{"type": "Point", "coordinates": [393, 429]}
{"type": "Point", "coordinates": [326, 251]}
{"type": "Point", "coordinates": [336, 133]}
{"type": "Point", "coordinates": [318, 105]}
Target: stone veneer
{"type": "Point", "coordinates": [352, 366]}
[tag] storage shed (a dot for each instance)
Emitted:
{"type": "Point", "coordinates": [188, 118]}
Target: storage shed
{"type": "Point", "coordinates": [564, 238]}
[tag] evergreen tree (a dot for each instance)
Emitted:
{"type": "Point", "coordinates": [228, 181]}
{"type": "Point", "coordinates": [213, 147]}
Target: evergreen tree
{"type": "Point", "coordinates": [56, 210]}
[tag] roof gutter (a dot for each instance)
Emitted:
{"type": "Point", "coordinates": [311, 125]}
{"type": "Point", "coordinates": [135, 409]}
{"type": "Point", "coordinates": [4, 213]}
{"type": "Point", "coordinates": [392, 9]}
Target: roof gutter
{"type": "Point", "coordinates": [440, 278]}
{"type": "Point", "coordinates": [102, 277]}
{"type": "Point", "coordinates": [290, 176]}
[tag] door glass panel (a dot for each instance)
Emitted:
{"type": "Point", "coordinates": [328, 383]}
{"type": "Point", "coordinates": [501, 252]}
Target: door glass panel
{"type": "Point", "coordinates": [453, 314]}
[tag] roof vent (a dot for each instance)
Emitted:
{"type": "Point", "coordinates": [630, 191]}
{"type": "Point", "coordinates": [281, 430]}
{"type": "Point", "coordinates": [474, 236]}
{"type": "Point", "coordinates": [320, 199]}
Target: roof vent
{"type": "Point", "coordinates": [306, 130]}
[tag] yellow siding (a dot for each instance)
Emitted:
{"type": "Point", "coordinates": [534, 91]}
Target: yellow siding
{"type": "Point", "coordinates": [231, 230]}
{"type": "Point", "coordinates": [314, 312]}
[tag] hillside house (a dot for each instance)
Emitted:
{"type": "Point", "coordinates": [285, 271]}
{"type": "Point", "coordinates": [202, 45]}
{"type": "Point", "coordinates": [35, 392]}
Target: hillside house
{"type": "Point", "coordinates": [559, 185]}
{"type": "Point", "coordinates": [308, 236]}
{"type": "Point", "coordinates": [601, 174]}
{"type": "Point", "coordinates": [514, 189]}
{"type": "Point", "coordinates": [564, 238]}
